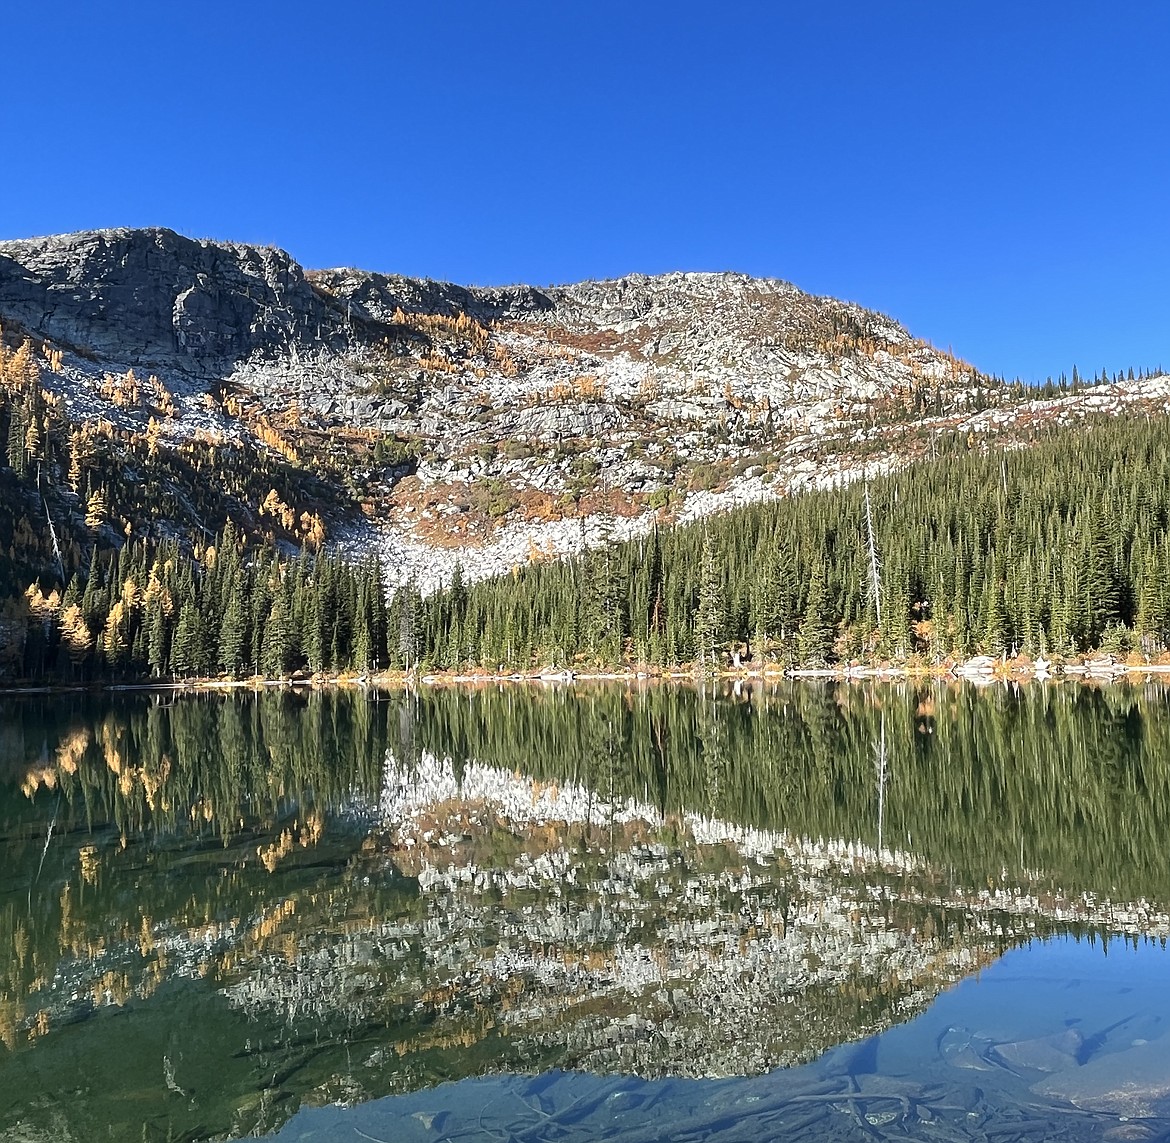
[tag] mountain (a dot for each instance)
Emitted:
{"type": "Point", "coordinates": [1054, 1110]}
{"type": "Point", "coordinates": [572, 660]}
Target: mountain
{"type": "Point", "coordinates": [463, 415]}
{"type": "Point", "coordinates": [158, 385]}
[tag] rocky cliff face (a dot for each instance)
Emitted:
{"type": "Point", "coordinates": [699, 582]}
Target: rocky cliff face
{"type": "Point", "coordinates": [379, 296]}
{"type": "Point", "coordinates": [155, 297]}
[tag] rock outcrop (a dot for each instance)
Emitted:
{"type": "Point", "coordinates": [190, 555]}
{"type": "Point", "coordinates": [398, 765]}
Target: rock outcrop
{"type": "Point", "coordinates": [378, 296]}
{"type": "Point", "coordinates": [511, 422]}
{"type": "Point", "coordinates": [153, 297]}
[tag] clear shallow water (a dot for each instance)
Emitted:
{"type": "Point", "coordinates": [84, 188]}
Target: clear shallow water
{"type": "Point", "coordinates": [217, 910]}
{"type": "Point", "coordinates": [1054, 1041]}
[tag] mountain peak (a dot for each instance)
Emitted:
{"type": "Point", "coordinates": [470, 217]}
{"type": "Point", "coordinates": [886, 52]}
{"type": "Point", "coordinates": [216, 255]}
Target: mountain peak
{"type": "Point", "coordinates": [456, 415]}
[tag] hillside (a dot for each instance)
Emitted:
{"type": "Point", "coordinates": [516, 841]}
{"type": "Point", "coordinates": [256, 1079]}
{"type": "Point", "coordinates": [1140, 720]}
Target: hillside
{"type": "Point", "coordinates": [154, 388]}
{"type": "Point", "coordinates": [435, 414]}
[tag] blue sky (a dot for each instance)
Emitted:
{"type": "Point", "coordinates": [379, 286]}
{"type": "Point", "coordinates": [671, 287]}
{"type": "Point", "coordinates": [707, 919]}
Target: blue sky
{"type": "Point", "coordinates": [994, 175]}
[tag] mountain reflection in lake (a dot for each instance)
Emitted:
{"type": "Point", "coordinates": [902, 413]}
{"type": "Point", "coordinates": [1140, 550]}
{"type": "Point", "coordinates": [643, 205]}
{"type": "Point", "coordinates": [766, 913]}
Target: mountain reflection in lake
{"type": "Point", "coordinates": [215, 909]}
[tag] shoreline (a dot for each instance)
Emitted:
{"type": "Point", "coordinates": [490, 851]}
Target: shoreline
{"type": "Point", "coordinates": [1094, 670]}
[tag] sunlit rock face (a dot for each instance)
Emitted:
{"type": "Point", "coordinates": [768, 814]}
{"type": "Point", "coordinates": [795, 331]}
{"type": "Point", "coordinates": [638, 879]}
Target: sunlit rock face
{"type": "Point", "coordinates": [154, 297]}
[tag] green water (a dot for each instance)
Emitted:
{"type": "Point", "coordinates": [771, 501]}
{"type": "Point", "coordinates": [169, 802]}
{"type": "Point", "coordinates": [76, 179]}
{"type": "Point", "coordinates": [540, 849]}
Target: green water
{"type": "Point", "coordinates": [216, 910]}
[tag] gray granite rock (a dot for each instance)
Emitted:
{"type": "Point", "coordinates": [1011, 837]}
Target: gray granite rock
{"type": "Point", "coordinates": [581, 420]}
{"type": "Point", "coordinates": [379, 295]}
{"type": "Point", "coordinates": [152, 296]}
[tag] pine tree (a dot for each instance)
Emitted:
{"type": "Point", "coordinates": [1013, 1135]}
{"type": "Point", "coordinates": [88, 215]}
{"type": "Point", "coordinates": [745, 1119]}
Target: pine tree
{"type": "Point", "coordinates": [407, 597]}
{"type": "Point", "coordinates": [157, 645]}
{"type": "Point", "coordinates": [233, 633]}
{"type": "Point", "coordinates": [276, 647]}
{"type": "Point", "coordinates": [184, 652]}
{"type": "Point", "coordinates": [363, 644]}
{"type": "Point", "coordinates": [313, 638]}
{"type": "Point", "coordinates": [709, 612]}
{"type": "Point", "coordinates": [15, 452]}
{"type": "Point", "coordinates": [994, 635]}
{"type": "Point", "coordinates": [815, 642]}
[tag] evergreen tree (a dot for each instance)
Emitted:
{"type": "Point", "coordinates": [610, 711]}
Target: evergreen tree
{"type": "Point", "coordinates": [233, 632]}
{"type": "Point", "coordinates": [158, 645]}
{"type": "Point", "coordinates": [276, 649]}
{"type": "Point", "coordinates": [709, 613]}
{"type": "Point", "coordinates": [184, 653]}
{"type": "Point", "coordinates": [815, 642]}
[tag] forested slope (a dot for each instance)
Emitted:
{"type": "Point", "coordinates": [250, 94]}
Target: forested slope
{"type": "Point", "coordinates": [1057, 549]}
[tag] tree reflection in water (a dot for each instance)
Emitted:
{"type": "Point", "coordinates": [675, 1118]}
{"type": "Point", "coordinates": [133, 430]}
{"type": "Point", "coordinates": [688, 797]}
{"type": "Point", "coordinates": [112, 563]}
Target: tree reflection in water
{"type": "Point", "coordinates": [224, 905]}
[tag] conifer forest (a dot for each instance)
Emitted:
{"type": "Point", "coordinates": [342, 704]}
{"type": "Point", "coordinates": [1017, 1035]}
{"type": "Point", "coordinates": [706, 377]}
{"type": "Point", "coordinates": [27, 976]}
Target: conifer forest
{"type": "Point", "coordinates": [1056, 549]}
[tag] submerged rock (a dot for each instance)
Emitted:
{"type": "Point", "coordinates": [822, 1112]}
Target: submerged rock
{"type": "Point", "coordinates": [1044, 1053]}
{"type": "Point", "coordinates": [1134, 1082]}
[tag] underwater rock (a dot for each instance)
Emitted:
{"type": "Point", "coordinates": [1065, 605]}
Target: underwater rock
{"type": "Point", "coordinates": [1133, 1082]}
{"type": "Point", "coordinates": [1042, 1054]}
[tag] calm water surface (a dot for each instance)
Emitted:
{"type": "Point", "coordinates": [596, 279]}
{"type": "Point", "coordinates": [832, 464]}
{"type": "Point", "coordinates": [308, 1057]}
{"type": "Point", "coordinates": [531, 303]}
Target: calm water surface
{"type": "Point", "coordinates": [796, 912]}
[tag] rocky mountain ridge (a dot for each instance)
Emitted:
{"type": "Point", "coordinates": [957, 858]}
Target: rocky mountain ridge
{"type": "Point", "coordinates": [152, 297]}
{"type": "Point", "coordinates": [489, 425]}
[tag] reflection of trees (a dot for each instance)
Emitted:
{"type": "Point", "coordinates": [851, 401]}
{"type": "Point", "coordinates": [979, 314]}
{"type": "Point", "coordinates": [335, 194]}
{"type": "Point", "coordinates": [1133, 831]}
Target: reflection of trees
{"type": "Point", "coordinates": [1069, 780]}
{"type": "Point", "coordinates": [211, 828]}
{"type": "Point", "coordinates": [199, 764]}
{"type": "Point", "coordinates": [1078, 778]}
{"type": "Point", "coordinates": [206, 794]}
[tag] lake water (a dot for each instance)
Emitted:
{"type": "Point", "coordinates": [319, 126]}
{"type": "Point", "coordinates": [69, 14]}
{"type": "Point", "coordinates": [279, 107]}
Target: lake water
{"type": "Point", "coordinates": [820, 911]}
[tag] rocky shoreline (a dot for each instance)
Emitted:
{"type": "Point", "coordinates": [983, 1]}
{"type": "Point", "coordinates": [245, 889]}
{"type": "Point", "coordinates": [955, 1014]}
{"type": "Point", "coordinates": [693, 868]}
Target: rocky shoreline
{"type": "Point", "coordinates": [1092, 669]}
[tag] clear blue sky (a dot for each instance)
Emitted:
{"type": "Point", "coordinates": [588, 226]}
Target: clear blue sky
{"type": "Point", "coordinates": [994, 175]}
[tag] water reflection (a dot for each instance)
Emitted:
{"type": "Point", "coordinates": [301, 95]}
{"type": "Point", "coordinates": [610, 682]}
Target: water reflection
{"type": "Point", "coordinates": [1049, 1043]}
{"type": "Point", "coordinates": [215, 908]}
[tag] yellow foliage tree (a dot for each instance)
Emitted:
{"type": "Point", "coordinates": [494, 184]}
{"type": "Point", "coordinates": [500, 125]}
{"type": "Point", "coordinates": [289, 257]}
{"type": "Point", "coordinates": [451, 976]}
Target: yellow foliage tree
{"type": "Point", "coordinates": [153, 433]}
{"type": "Point", "coordinates": [41, 605]}
{"type": "Point", "coordinates": [313, 529]}
{"type": "Point", "coordinates": [79, 456]}
{"type": "Point", "coordinates": [97, 509]}
{"type": "Point", "coordinates": [114, 642]}
{"type": "Point", "coordinates": [75, 633]}
{"type": "Point", "coordinates": [277, 509]}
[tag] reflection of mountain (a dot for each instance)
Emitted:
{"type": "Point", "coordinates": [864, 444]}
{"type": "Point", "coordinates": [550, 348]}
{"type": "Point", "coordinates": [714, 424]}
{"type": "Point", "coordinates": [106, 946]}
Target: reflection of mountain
{"type": "Point", "coordinates": [270, 899]}
{"type": "Point", "coordinates": [678, 945]}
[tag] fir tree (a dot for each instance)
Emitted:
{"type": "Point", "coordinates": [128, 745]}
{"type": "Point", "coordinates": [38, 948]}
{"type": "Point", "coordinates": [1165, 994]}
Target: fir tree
{"type": "Point", "coordinates": [709, 613]}
{"type": "Point", "coordinates": [815, 643]}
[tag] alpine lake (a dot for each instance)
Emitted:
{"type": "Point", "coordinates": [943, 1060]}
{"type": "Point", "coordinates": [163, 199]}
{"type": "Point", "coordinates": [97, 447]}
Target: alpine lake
{"type": "Point", "coordinates": [793, 910]}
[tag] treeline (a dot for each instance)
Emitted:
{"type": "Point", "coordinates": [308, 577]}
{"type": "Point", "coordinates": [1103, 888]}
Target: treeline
{"type": "Point", "coordinates": [1062, 385]}
{"type": "Point", "coordinates": [1055, 549]}
{"type": "Point", "coordinates": [153, 611]}
{"type": "Point", "coordinates": [1058, 548]}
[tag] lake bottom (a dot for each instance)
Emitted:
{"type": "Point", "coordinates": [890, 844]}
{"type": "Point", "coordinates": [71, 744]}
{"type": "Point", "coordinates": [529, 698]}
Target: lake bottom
{"type": "Point", "coordinates": [1061, 1040]}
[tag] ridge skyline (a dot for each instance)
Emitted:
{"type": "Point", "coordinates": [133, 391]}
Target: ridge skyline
{"type": "Point", "coordinates": [565, 283]}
